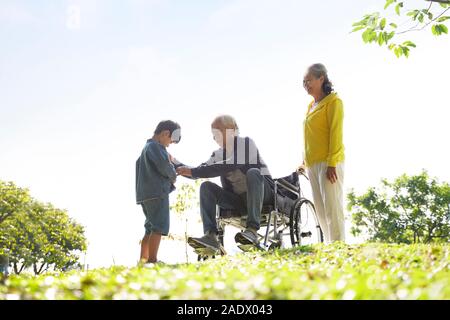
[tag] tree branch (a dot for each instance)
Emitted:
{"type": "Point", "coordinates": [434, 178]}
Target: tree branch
{"type": "Point", "coordinates": [426, 25]}
{"type": "Point", "coordinates": [418, 23]}
{"type": "Point", "coordinates": [440, 1]}
{"type": "Point", "coordinates": [42, 266]}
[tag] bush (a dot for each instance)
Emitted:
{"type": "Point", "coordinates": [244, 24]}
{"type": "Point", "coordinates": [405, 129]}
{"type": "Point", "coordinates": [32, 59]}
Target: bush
{"type": "Point", "coordinates": [412, 209]}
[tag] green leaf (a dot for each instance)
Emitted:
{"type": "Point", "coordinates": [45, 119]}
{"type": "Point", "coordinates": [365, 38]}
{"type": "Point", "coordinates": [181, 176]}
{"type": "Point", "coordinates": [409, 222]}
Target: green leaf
{"type": "Point", "coordinates": [442, 19]}
{"type": "Point", "coordinates": [373, 20]}
{"type": "Point", "coordinates": [413, 14]}
{"type": "Point", "coordinates": [358, 28]}
{"type": "Point", "coordinates": [382, 23]}
{"type": "Point", "coordinates": [360, 23]}
{"type": "Point", "coordinates": [380, 38]}
{"type": "Point", "coordinates": [409, 44]}
{"type": "Point", "coordinates": [369, 35]}
{"type": "Point", "coordinates": [389, 36]}
{"type": "Point", "coordinates": [439, 29]}
{"type": "Point", "coordinates": [397, 8]}
{"type": "Point", "coordinates": [421, 18]}
{"type": "Point", "coordinates": [393, 25]}
{"type": "Point", "coordinates": [435, 30]}
{"type": "Point", "coordinates": [388, 3]}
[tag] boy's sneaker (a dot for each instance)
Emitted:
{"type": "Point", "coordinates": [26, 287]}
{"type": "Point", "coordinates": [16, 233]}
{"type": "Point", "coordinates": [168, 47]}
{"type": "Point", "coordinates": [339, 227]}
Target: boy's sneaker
{"type": "Point", "coordinates": [154, 264]}
{"type": "Point", "coordinates": [148, 264]}
{"type": "Point", "coordinates": [207, 241]}
{"type": "Point", "coordinates": [249, 236]}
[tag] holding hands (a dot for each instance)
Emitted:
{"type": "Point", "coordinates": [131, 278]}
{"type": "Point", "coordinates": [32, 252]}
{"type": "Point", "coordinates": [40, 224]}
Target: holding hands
{"type": "Point", "coordinates": [180, 168]}
{"type": "Point", "coordinates": [184, 171]}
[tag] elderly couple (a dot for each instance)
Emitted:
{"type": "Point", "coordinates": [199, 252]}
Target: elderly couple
{"type": "Point", "coordinates": [242, 172]}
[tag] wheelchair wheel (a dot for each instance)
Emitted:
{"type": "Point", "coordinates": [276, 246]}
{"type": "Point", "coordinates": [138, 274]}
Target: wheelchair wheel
{"type": "Point", "coordinates": [303, 224]}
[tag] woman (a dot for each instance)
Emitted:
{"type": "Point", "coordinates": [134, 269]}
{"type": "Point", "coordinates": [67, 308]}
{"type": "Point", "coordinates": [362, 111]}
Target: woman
{"type": "Point", "coordinates": [324, 152]}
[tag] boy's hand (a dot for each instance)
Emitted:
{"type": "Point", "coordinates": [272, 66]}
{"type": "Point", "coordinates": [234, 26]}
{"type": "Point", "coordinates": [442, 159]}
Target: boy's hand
{"type": "Point", "coordinates": [184, 171]}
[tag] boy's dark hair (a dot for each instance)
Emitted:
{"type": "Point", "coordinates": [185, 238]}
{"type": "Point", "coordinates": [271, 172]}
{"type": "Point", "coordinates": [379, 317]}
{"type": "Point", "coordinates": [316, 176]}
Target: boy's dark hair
{"type": "Point", "coordinates": [172, 126]}
{"type": "Point", "coordinates": [167, 125]}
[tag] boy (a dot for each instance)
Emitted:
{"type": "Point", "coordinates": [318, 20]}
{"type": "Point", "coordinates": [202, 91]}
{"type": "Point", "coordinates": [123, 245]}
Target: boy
{"type": "Point", "coordinates": [155, 178]}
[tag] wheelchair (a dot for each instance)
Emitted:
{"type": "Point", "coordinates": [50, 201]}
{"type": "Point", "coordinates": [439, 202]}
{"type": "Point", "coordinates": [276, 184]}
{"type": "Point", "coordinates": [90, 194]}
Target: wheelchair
{"type": "Point", "coordinates": [290, 221]}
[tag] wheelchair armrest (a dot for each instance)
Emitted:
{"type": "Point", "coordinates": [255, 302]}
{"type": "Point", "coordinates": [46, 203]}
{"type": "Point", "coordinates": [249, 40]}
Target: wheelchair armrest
{"type": "Point", "coordinates": [288, 186]}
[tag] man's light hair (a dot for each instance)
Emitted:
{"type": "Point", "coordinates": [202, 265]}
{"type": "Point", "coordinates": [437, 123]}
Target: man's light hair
{"type": "Point", "coordinates": [226, 121]}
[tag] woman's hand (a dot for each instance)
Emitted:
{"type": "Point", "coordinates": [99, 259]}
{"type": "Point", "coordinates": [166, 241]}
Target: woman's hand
{"type": "Point", "coordinates": [301, 168]}
{"type": "Point", "coordinates": [184, 171]}
{"type": "Point", "coordinates": [331, 174]}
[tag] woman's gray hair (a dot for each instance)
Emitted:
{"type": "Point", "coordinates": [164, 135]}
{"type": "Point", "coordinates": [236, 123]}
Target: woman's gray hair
{"type": "Point", "coordinates": [319, 70]}
{"type": "Point", "coordinates": [228, 122]}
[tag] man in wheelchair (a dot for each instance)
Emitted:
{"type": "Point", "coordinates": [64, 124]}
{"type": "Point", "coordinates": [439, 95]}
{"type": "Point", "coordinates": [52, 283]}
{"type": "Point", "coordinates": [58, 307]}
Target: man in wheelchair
{"type": "Point", "coordinates": [245, 186]}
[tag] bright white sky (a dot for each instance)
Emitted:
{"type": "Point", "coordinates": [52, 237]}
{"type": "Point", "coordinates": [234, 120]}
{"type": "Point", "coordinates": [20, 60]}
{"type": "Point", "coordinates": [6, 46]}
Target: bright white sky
{"type": "Point", "coordinates": [79, 97]}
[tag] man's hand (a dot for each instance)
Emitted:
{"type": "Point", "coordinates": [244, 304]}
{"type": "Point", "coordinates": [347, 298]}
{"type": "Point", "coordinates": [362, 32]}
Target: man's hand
{"type": "Point", "coordinates": [331, 174]}
{"type": "Point", "coordinates": [184, 171]}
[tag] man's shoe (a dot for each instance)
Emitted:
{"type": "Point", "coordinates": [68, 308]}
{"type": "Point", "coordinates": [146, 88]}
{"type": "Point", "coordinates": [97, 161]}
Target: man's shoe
{"type": "Point", "coordinates": [247, 237]}
{"type": "Point", "coordinates": [208, 241]}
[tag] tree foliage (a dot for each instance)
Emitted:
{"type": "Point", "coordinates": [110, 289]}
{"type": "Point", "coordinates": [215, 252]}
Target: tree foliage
{"type": "Point", "coordinates": [186, 199]}
{"type": "Point", "coordinates": [12, 199]}
{"type": "Point", "coordinates": [411, 209]}
{"type": "Point", "coordinates": [383, 28]}
{"type": "Point", "coordinates": [37, 235]}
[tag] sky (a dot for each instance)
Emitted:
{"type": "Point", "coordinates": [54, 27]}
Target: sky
{"type": "Point", "coordinates": [83, 84]}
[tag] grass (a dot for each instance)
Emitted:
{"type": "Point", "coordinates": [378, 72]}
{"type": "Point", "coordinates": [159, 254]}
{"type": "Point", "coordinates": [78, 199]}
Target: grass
{"type": "Point", "coordinates": [337, 271]}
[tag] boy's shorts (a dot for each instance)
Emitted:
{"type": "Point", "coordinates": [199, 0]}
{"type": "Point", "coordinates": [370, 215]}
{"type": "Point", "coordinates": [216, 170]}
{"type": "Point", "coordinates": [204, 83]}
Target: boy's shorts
{"type": "Point", "coordinates": [157, 215]}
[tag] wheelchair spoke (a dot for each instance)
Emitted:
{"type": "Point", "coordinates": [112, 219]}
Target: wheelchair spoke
{"type": "Point", "coordinates": [304, 226]}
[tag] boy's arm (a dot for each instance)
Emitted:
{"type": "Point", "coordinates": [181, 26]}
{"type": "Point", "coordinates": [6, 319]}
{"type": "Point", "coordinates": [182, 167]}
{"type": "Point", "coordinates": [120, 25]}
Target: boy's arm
{"type": "Point", "coordinates": [175, 162]}
{"type": "Point", "coordinates": [160, 159]}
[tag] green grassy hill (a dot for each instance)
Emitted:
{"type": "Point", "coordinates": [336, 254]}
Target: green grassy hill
{"type": "Point", "coordinates": [338, 271]}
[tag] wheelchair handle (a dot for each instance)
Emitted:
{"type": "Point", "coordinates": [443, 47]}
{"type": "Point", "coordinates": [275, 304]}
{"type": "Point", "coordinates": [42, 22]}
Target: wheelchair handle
{"type": "Point", "coordinates": [302, 172]}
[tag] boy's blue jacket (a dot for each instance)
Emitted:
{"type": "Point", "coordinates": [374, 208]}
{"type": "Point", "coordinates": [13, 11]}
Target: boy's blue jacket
{"type": "Point", "coordinates": [155, 174]}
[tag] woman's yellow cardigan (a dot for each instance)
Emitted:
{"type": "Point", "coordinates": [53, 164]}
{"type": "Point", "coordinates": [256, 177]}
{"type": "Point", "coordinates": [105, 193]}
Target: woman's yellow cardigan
{"type": "Point", "coordinates": [323, 132]}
